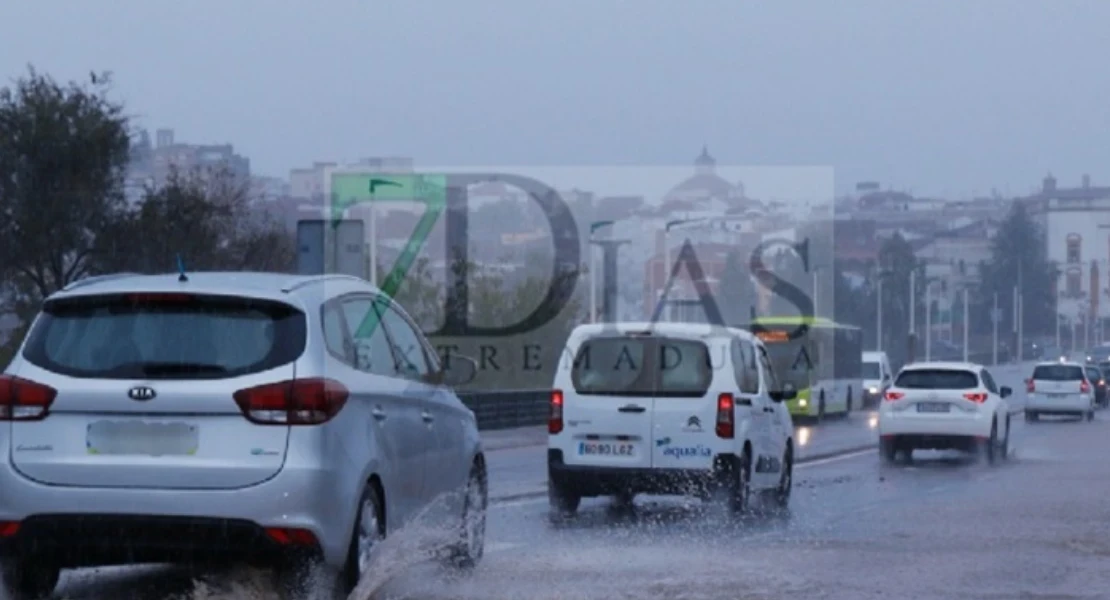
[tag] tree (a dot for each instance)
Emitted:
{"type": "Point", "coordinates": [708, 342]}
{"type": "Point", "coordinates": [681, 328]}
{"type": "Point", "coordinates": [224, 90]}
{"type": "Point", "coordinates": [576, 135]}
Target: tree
{"type": "Point", "coordinates": [1019, 259]}
{"type": "Point", "coordinates": [64, 150]}
{"type": "Point", "coordinates": [205, 217]}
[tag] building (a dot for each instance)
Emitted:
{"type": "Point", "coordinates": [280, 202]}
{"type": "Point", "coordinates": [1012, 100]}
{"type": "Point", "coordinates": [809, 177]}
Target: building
{"type": "Point", "coordinates": [152, 164]}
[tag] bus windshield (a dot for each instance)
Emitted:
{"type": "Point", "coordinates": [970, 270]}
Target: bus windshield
{"type": "Point", "coordinates": [793, 362]}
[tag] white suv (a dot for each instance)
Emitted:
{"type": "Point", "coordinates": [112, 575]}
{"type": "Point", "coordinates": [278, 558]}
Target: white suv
{"type": "Point", "coordinates": [667, 408]}
{"type": "Point", "coordinates": [1059, 388]}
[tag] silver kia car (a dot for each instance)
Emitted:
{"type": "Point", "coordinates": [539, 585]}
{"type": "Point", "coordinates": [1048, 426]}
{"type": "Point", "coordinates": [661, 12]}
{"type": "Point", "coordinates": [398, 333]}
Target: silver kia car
{"type": "Point", "coordinates": [278, 420]}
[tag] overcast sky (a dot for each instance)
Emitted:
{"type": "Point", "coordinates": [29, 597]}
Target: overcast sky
{"type": "Point", "coordinates": [948, 97]}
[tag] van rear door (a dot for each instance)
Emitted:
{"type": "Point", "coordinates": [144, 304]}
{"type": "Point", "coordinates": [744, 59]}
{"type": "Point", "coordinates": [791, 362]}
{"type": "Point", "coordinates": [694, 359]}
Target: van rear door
{"type": "Point", "coordinates": [684, 432]}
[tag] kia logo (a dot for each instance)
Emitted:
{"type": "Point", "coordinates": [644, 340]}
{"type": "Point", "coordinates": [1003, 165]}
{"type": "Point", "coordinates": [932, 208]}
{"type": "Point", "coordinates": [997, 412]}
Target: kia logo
{"type": "Point", "coordinates": [141, 393]}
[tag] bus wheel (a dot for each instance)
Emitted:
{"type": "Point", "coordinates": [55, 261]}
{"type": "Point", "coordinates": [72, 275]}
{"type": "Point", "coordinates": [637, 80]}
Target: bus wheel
{"type": "Point", "coordinates": [821, 407]}
{"type": "Point", "coordinates": [849, 400]}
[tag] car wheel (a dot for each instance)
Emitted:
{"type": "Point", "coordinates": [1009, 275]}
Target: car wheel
{"type": "Point", "coordinates": [1091, 414]}
{"type": "Point", "coordinates": [1030, 416]}
{"type": "Point", "coordinates": [369, 531]}
{"type": "Point", "coordinates": [780, 496]}
{"type": "Point", "coordinates": [470, 548]}
{"type": "Point", "coordinates": [734, 485]}
{"type": "Point", "coordinates": [1004, 446]}
{"type": "Point", "coordinates": [562, 503]}
{"type": "Point", "coordinates": [26, 581]}
{"type": "Point", "coordinates": [989, 449]}
{"type": "Point", "coordinates": [888, 450]}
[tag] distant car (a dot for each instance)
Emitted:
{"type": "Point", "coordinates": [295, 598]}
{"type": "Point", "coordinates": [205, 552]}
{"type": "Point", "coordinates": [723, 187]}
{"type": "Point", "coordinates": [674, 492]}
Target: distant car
{"type": "Point", "coordinates": [877, 377]}
{"type": "Point", "coordinates": [942, 406]}
{"type": "Point", "coordinates": [1098, 382]}
{"type": "Point", "coordinates": [279, 420]}
{"type": "Point", "coordinates": [641, 409]}
{"type": "Point", "coordinates": [1059, 388]}
{"type": "Point", "coordinates": [1100, 353]}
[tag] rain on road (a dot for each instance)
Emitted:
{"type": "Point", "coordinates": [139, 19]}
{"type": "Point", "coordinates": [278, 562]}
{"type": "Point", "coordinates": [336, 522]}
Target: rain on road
{"type": "Point", "coordinates": [942, 527]}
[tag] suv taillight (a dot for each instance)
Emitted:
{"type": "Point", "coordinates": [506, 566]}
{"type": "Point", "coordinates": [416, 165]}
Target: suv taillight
{"type": "Point", "coordinates": [555, 417]}
{"type": "Point", "coordinates": [1084, 387]}
{"type": "Point", "coordinates": [293, 402]}
{"type": "Point", "coordinates": [892, 396]}
{"type": "Point", "coordinates": [976, 397]}
{"type": "Point", "coordinates": [24, 400]}
{"type": "Point", "coordinates": [726, 428]}
{"type": "Point", "coordinates": [1030, 385]}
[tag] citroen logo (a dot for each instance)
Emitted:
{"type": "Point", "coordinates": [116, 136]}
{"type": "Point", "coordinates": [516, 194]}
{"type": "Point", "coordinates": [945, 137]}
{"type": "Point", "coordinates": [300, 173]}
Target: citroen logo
{"type": "Point", "coordinates": [141, 393]}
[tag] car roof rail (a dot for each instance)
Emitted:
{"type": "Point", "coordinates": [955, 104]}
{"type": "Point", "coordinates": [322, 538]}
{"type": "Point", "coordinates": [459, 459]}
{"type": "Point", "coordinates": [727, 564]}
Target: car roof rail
{"type": "Point", "coordinates": [299, 283]}
{"type": "Point", "coordinates": [97, 279]}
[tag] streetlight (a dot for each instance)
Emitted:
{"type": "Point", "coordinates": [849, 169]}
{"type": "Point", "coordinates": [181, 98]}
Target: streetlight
{"type": "Point", "coordinates": [593, 271]}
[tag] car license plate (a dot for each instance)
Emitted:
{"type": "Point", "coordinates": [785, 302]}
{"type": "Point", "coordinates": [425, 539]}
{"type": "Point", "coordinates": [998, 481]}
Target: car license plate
{"type": "Point", "coordinates": [606, 449]}
{"type": "Point", "coordinates": [1057, 396]}
{"type": "Point", "coordinates": [932, 407]}
{"type": "Point", "coordinates": [142, 438]}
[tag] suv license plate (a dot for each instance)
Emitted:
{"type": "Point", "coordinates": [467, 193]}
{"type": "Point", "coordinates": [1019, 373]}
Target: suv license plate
{"type": "Point", "coordinates": [932, 407]}
{"type": "Point", "coordinates": [606, 449]}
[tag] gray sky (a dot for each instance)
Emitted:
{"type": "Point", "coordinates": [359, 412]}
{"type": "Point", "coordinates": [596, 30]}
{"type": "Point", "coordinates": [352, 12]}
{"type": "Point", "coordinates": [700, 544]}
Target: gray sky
{"type": "Point", "coordinates": [940, 97]}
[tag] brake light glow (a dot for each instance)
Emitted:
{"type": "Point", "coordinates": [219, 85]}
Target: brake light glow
{"type": "Point", "coordinates": [293, 402]}
{"type": "Point", "coordinates": [24, 400]}
{"type": "Point", "coordinates": [1084, 387]}
{"type": "Point", "coordinates": [1030, 385]}
{"type": "Point", "coordinates": [555, 418]}
{"type": "Point", "coordinates": [892, 396]}
{"type": "Point", "coordinates": [287, 536]}
{"type": "Point", "coordinates": [726, 426]}
{"type": "Point", "coordinates": [8, 528]}
{"type": "Point", "coordinates": [976, 397]}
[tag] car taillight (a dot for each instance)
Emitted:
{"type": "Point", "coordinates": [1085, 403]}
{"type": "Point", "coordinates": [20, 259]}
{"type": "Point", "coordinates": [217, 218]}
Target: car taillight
{"type": "Point", "coordinates": [892, 396]}
{"type": "Point", "coordinates": [1030, 385]}
{"type": "Point", "coordinates": [287, 536]}
{"type": "Point", "coordinates": [1084, 387]}
{"type": "Point", "coordinates": [726, 428]}
{"type": "Point", "coordinates": [293, 402]}
{"type": "Point", "coordinates": [555, 417]}
{"type": "Point", "coordinates": [976, 397]}
{"type": "Point", "coordinates": [8, 528]}
{"type": "Point", "coordinates": [24, 400]}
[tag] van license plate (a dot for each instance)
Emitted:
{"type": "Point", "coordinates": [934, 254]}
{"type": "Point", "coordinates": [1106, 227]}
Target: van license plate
{"type": "Point", "coordinates": [605, 449]}
{"type": "Point", "coordinates": [142, 438]}
{"type": "Point", "coordinates": [932, 407]}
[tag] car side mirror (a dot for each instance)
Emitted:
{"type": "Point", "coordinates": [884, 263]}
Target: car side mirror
{"type": "Point", "coordinates": [788, 392]}
{"type": "Point", "coordinates": [458, 370]}
{"type": "Point", "coordinates": [1005, 391]}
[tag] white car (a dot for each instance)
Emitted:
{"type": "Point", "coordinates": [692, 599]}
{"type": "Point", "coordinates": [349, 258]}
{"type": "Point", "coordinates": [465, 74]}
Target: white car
{"type": "Point", "coordinates": [668, 408]}
{"type": "Point", "coordinates": [942, 406]}
{"type": "Point", "coordinates": [1059, 388]}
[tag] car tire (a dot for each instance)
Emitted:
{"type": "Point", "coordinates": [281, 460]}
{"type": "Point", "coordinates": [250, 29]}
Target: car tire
{"type": "Point", "coordinates": [1031, 417]}
{"type": "Point", "coordinates": [734, 485]}
{"type": "Point", "coordinates": [369, 531]}
{"type": "Point", "coordinates": [562, 503]}
{"type": "Point", "coordinates": [888, 450]}
{"type": "Point", "coordinates": [780, 496]}
{"type": "Point", "coordinates": [468, 551]}
{"type": "Point", "coordinates": [26, 581]}
{"type": "Point", "coordinates": [989, 449]}
{"type": "Point", "coordinates": [1004, 448]}
{"type": "Point", "coordinates": [1091, 415]}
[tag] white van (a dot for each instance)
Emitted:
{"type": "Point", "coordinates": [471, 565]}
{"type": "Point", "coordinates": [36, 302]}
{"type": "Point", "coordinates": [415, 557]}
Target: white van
{"type": "Point", "coordinates": [667, 408]}
{"type": "Point", "coordinates": [877, 377]}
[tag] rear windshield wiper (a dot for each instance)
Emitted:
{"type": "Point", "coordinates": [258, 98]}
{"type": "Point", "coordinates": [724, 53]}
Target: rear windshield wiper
{"type": "Point", "coordinates": [182, 368]}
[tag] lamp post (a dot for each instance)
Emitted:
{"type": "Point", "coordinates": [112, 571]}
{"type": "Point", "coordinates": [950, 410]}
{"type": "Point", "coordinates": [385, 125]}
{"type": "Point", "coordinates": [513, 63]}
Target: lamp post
{"type": "Point", "coordinates": [593, 270]}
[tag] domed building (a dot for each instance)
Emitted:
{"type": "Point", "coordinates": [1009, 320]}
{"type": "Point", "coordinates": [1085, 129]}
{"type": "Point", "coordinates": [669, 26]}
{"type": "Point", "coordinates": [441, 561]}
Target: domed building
{"type": "Point", "coordinates": [706, 193]}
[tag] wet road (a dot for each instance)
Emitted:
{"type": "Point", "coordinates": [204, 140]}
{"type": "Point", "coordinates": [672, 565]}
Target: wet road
{"type": "Point", "coordinates": [942, 527]}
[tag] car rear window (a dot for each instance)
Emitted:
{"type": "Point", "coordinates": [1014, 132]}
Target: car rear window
{"type": "Point", "coordinates": [1057, 373]}
{"type": "Point", "coordinates": [642, 366]}
{"type": "Point", "coordinates": [165, 336]}
{"type": "Point", "coordinates": [937, 379]}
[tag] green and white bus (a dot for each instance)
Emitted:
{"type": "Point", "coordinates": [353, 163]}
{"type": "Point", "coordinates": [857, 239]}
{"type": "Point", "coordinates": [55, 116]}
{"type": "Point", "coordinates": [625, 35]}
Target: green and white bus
{"type": "Point", "coordinates": [825, 364]}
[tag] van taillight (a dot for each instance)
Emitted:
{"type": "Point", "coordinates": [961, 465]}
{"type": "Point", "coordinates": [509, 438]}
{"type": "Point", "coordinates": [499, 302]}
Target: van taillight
{"type": "Point", "coordinates": [892, 396]}
{"type": "Point", "coordinates": [974, 397]}
{"type": "Point", "coordinates": [24, 400]}
{"type": "Point", "coordinates": [1084, 387]}
{"type": "Point", "coordinates": [293, 402]}
{"type": "Point", "coordinates": [726, 427]}
{"type": "Point", "coordinates": [555, 417]}
{"type": "Point", "coordinates": [1030, 385]}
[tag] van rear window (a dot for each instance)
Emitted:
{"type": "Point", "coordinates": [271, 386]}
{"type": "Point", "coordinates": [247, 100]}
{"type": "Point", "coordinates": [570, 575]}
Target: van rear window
{"type": "Point", "coordinates": [937, 379]}
{"type": "Point", "coordinates": [1058, 373]}
{"type": "Point", "coordinates": [642, 366]}
{"type": "Point", "coordinates": [165, 336]}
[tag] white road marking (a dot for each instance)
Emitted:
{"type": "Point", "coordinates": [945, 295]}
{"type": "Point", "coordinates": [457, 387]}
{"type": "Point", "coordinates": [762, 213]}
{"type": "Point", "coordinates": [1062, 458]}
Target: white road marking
{"type": "Point", "coordinates": [501, 547]}
{"type": "Point", "coordinates": [832, 459]}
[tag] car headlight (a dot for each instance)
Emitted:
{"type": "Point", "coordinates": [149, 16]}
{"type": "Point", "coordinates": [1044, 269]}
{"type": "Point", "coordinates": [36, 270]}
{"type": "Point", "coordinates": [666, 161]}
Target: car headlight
{"type": "Point", "coordinates": [873, 390]}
